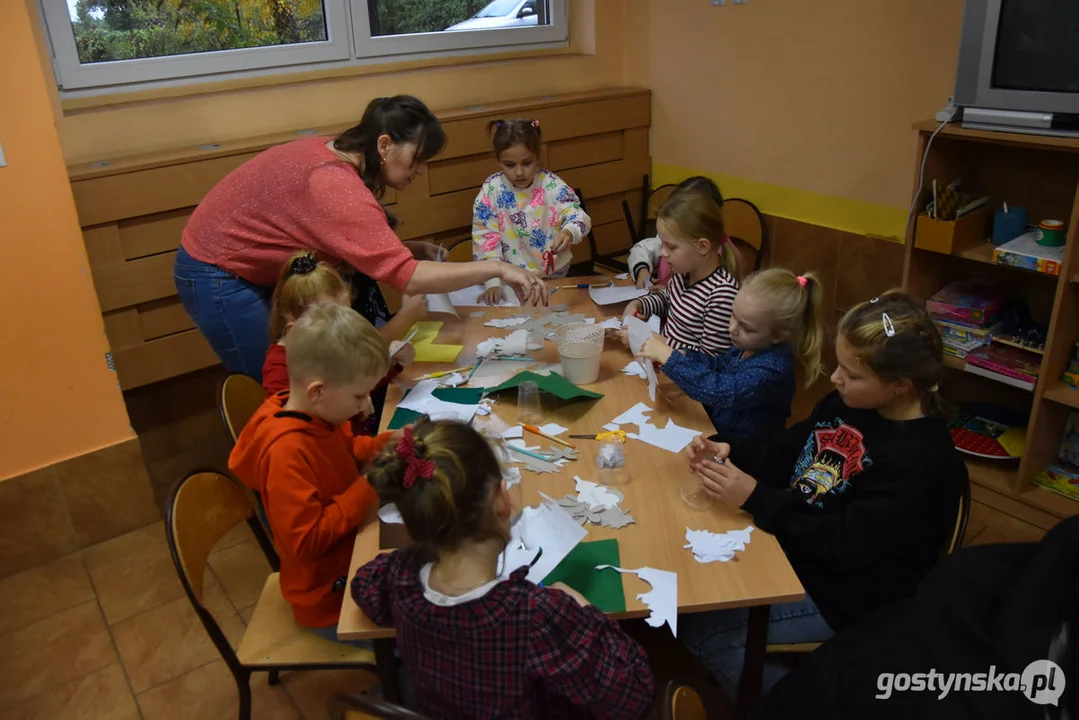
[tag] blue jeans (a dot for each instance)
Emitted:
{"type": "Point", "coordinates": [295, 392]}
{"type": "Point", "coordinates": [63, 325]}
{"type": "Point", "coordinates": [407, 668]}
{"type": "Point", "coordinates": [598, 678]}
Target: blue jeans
{"type": "Point", "coordinates": [231, 313]}
{"type": "Point", "coordinates": [718, 639]}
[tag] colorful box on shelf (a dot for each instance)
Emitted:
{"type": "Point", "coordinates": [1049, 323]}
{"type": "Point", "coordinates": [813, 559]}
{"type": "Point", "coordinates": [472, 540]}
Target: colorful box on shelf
{"type": "Point", "coordinates": [969, 304]}
{"type": "Point", "coordinates": [1024, 252]}
{"type": "Point", "coordinates": [953, 236]}
{"type": "Point", "coordinates": [1007, 362]}
{"type": "Point", "coordinates": [1061, 480]}
{"type": "Point", "coordinates": [960, 348]}
{"type": "Point", "coordinates": [964, 333]}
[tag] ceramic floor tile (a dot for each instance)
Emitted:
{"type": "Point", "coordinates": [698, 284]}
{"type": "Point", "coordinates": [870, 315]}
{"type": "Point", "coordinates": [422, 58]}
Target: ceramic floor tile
{"type": "Point", "coordinates": [241, 570]}
{"type": "Point", "coordinates": [133, 573]}
{"type": "Point", "coordinates": [43, 591]}
{"type": "Point", "coordinates": [52, 652]}
{"type": "Point", "coordinates": [102, 695]}
{"type": "Point", "coordinates": [170, 640]}
{"type": "Point", "coordinates": [310, 689]}
{"type": "Point", "coordinates": [209, 693]}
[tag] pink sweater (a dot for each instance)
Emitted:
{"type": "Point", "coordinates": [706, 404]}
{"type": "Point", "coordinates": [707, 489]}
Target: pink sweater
{"type": "Point", "coordinates": [296, 196]}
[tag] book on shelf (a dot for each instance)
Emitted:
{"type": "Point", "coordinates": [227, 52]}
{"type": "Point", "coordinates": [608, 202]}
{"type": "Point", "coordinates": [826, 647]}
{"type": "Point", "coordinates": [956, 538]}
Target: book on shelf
{"type": "Point", "coordinates": [1006, 361]}
{"type": "Point", "coordinates": [968, 303]}
{"type": "Point", "coordinates": [1024, 252]}
{"type": "Point", "coordinates": [1062, 479]}
{"type": "Point", "coordinates": [960, 348]}
{"type": "Point", "coordinates": [965, 333]}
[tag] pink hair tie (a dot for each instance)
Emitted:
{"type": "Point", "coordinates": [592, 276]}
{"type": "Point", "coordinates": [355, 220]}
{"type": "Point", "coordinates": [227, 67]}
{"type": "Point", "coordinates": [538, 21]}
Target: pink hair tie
{"type": "Point", "coordinates": [414, 466]}
{"type": "Point", "coordinates": [802, 280]}
{"type": "Point", "coordinates": [535, 123]}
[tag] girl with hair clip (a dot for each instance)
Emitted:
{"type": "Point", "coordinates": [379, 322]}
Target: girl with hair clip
{"type": "Point", "coordinates": [525, 215]}
{"type": "Point", "coordinates": [695, 307]}
{"type": "Point", "coordinates": [305, 282]}
{"type": "Point", "coordinates": [748, 391]}
{"type": "Point", "coordinates": [477, 642]}
{"type": "Point", "coordinates": [861, 495]}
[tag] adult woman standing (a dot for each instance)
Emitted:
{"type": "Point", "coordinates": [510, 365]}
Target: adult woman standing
{"type": "Point", "coordinates": [319, 194]}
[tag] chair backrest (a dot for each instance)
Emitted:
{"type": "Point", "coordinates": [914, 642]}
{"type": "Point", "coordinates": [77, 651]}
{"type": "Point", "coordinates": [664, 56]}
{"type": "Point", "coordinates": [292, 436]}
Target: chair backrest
{"type": "Point", "coordinates": [956, 539]}
{"type": "Point", "coordinates": [201, 508]}
{"type": "Point", "coordinates": [681, 702]}
{"type": "Point", "coordinates": [461, 251]}
{"type": "Point", "coordinates": [364, 707]}
{"type": "Point", "coordinates": [238, 397]}
{"type": "Point", "coordinates": [745, 226]}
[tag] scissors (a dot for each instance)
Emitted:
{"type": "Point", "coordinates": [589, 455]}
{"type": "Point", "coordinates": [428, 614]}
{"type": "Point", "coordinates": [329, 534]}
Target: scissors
{"type": "Point", "coordinates": [616, 435]}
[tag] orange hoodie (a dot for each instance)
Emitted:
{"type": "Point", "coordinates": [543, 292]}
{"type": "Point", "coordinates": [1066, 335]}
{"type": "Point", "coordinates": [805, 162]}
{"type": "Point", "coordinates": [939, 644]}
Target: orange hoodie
{"type": "Point", "coordinates": [306, 472]}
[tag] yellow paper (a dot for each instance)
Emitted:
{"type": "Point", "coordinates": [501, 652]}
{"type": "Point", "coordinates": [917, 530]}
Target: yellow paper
{"type": "Point", "coordinates": [424, 342]}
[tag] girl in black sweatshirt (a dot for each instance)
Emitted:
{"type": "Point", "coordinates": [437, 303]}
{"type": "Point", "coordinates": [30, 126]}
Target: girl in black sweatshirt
{"type": "Point", "coordinates": [862, 495]}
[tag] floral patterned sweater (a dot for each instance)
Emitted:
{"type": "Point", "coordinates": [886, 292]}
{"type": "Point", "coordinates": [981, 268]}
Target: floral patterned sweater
{"type": "Point", "coordinates": [520, 226]}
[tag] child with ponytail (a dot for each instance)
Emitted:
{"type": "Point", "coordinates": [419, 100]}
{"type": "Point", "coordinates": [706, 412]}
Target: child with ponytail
{"type": "Point", "coordinates": [775, 325]}
{"type": "Point", "coordinates": [525, 215]}
{"type": "Point", "coordinates": [478, 641]}
{"type": "Point", "coordinates": [862, 495]}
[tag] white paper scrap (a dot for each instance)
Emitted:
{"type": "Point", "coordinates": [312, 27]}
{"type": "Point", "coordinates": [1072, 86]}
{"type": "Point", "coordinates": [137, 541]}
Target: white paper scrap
{"type": "Point", "coordinates": [390, 515]}
{"type": "Point", "coordinates": [610, 427]}
{"type": "Point", "coordinates": [709, 546]}
{"type": "Point", "coordinates": [422, 400]}
{"type": "Point", "coordinates": [673, 437]}
{"type": "Point", "coordinates": [547, 528]}
{"type": "Point", "coordinates": [611, 324]}
{"type": "Point", "coordinates": [635, 415]}
{"type": "Point", "coordinates": [511, 476]}
{"type": "Point", "coordinates": [513, 432]}
{"type": "Point", "coordinates": [634, 369]}
{"type": "Point", "coordinates": [622, 276]}
{"type": "Point", "coordinates": [595, 496]}
{"type": "Point", "coordinates": [552, 429]}
{"type": "Point", "coordinates": [662, 600]}
{"type": "Point", "coordinates": [615, 294]}
{"type": "Point", "coordinates": [453, 379]}
{"type": "Point", "coordinates": [440, 303]}
{"type": "Point", "coordinates": [506, 322]}
{"type": "Point", "coordinates": [471, 297]}
{"type": "Point", "coordinates": [516, 343]}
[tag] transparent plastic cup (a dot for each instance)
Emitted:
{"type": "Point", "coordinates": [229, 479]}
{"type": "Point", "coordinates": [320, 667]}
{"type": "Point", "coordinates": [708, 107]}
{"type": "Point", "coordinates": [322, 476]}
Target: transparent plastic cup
{"type": "Point", "coordinates": [529, 406]}
{"type": "Point", "coordinates": [693, 494]}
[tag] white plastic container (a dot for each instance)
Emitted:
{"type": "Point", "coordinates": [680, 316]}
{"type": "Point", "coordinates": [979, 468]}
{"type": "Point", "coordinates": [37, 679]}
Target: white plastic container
{"type": "Point", "coordinates": [580, 347]}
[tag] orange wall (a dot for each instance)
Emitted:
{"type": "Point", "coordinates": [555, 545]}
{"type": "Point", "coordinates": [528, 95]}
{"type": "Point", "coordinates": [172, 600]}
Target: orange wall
{"type": "Point", "coordinates": [803, 106]}
{"type": "Point", "coordinates": [123, 130]}
{"type": "Point", "coordinates": [59, 397]}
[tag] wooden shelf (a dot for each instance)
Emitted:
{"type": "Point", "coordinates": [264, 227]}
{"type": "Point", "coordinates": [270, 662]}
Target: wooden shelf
{"type": "Point", "coordinates": [983, 253]}
{"type": "Point", "coordinates": [951, 361]}
{"type": "Point", "coordinates": [997, 475]}
{"type": "Point", "coordinates": [1036, 142]}
{"type": "Point", "coordinates": [1063, 394]}
{"type": "Point", "coordinates": [1074, 279]}
{"type": "Point", "coordinates": [1050, 502]}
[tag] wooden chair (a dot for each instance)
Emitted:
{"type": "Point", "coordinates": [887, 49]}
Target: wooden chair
{"type": "Point", "coordinates": [681, 702]}
{"type": "Point", "coordinates": [745, 226]}
{"type": "Point", "coordinates": [461, 251]}
{"type": "Point", "coordinates": [365, 707]}
{"type": "Point", "coordinates": [955, 540]}
{"type": "Point", "coordinates": [202, 507]}
{"type": "Point", "coordinates": [651, 199]}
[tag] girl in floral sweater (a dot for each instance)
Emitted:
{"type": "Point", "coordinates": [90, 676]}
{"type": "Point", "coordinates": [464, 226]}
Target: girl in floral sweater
{"type": "Point", "coordinates": [524, 214]}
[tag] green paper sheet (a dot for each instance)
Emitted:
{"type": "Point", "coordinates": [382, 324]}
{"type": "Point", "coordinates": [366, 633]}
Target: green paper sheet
{"type": "Point", "coordinates": [461, 396]}
{"type": "Point", "coordinates": [554, 384]}
{"type": "Point", "coordinates": [602, 589]}
{"type": "Point", "coordinates": [424, 342]}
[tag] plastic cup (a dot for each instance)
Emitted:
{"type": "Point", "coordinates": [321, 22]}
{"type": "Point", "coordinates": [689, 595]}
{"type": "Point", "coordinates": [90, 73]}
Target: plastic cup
{"type": "Point", "coordinates": [693, 494]}
{"type": "Point", "coordinates": [529, 407]}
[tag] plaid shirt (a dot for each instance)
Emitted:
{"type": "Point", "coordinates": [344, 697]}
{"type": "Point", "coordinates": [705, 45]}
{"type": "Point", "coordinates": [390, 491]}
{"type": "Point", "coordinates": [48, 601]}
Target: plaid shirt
{"type": "Point", "coordinates": [520, 651]}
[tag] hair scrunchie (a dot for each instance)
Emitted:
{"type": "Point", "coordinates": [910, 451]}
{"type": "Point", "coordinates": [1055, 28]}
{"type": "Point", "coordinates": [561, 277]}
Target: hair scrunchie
{"type": "Point", "coordinates": [303, 265]}
{"type": "Point", "coordinates": [414, 466]}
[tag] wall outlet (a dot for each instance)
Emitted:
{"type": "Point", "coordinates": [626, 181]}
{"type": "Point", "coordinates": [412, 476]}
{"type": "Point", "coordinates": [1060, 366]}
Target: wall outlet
{"type": "Point", "coordinates": [3, 160]}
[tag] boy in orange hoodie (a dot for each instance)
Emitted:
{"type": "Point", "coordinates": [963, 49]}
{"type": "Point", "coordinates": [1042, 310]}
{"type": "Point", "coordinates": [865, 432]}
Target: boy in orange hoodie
{"type": "Point", "coordinates": [299, 453]}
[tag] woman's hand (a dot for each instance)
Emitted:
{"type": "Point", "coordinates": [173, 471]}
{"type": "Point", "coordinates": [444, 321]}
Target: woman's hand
{"type": "Point", "coordinates": [656, 348]}
{"type": "Point", "coordinates": [492, 296]}
{"type": "Point", "coordinates": [405, 356]}
{"type": "Point", "coordinates": [422, 250]}
{"type": "Point", "coordinates": [562, 242]}
{"type": "Point", "coordinates": [529, 287]}
{"type": "Point", "coordinates": [701, 449]}
{"type": "Point", "coordinates": [725, 482]}
{"type": "Point", "coordinates": [572, 593]}
{"type": "Point", "coordinates": [642, 278]}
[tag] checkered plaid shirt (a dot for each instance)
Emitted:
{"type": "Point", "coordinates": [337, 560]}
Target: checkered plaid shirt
{"type": "Point", "coordinates": [520, 651]}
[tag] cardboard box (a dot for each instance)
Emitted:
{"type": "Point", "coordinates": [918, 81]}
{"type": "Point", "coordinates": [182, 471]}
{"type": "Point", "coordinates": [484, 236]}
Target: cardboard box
{"type": "Point", "coordinates": [952, 237]}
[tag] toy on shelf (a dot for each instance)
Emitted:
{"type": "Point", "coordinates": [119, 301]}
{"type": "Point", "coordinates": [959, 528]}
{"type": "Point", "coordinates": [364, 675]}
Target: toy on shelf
{"type": "Point", "coordinates": [1063, 478]}
{"type": "Point", "coordinates": [988, 431]}
{"type": "Point", "coordinates": [1071, 375]}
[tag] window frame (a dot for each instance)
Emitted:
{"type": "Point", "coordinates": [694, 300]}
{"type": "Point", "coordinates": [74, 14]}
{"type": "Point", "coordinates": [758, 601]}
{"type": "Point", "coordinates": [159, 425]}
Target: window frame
{"type": "Point", "coordinates": [348, 44]}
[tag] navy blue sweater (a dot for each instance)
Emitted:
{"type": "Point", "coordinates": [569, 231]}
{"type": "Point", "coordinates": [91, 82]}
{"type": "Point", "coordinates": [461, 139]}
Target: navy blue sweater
{"type": "Point", "coordinates": [745, 397]}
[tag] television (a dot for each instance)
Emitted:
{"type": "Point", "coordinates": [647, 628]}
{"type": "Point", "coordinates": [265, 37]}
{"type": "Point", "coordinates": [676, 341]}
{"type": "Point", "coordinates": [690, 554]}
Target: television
{"type": "Point", "coordinates": [1019, 66]}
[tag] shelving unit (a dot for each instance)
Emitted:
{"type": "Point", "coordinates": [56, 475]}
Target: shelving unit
{"type": "Point", "coordinates": [1042, 175]}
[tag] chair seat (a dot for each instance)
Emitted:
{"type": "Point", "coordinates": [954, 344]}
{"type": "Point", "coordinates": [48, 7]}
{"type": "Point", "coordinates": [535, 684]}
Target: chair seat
{"type": "Point", "coordinates": [274, 637]}
{"type": "Point", "coordinates": [806, 647]}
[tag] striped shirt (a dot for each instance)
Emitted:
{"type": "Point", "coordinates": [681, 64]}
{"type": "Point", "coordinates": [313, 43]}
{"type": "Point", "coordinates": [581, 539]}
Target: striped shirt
{"type": "Point", "coordinates": [697, 316]}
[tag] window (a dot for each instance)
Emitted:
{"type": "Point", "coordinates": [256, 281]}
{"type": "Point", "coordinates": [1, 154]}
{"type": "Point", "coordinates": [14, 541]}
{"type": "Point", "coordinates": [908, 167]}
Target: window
{"type": "Point", "coordinates": [107, 43]}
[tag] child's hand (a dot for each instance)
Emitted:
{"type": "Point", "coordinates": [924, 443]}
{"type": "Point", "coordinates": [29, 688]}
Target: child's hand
{"type": "Point", "coordinates": [572, 593]}
{"type": "Point", "coordinates": [701, 449]}
{"type": "Point", "coordinates": [725, 482]}
{"type": "Point", "coordinates": [632, 308]}
{"type": "Point", "coordinates": [405, 356]}
{"type": "Point", "coordinates": [642, 278]}
{"type": "Point", "coordinates": [562, 241]}
{"type": "Point", "coordinates": [413, 306]}
{"type": "Point", "coordinates": [492, 296]}
{"type": "Point", "coordinates": [656, 348]}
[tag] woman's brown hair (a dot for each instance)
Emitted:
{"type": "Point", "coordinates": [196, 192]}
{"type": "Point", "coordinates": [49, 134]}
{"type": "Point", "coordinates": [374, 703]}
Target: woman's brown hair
{"type": "Point", "coordinates": [795, 303]}
{"type": "Point", "coordinates": [404, 119]}
{"type": "Point", "coordinates": [692, 216]}
{"type": "Point", "coordinates": [303, 281]}
{"type": "Point", "coordinates": [508, 133]}
{"type": "Point", "coordinates": [895, 337]}
{"type": "Point", "coordinates": [451, 504]}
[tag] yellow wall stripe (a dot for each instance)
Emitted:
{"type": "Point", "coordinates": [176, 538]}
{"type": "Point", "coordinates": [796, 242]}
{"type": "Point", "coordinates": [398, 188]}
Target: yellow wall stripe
{"type": "Point", "coordinates": [854, 216]}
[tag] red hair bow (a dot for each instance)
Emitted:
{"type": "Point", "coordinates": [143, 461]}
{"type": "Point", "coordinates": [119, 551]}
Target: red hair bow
{"type": "Point", "coordinates": [414, 466]}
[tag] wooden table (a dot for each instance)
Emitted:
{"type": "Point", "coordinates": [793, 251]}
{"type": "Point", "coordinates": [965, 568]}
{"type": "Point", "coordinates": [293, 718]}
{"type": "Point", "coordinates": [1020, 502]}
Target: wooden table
{"type": "Point", "coordinates": [760, 576]}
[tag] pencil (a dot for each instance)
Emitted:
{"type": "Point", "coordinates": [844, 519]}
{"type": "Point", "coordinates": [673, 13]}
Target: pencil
{"type": "Point", "coordinates": [477, 367]}
{"type": "Point", "coordinates": [544, 458]}
{"type": "Point", "coordinates": [516, 358]}
{"type": "Point", "coordinates": [582, 286]}
{"type": "Point", "coordinates": [537, 431]}
{"type": "Point", "coordinates": [440, 373]}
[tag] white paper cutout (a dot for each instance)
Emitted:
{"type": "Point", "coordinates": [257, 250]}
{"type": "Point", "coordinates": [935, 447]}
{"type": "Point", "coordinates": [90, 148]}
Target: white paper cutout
{"type": "Point", "coordinates": [515, 431]}
{"type": "Point", "coordinates": [422, 400]}
{"type": "Point", "coordinates": [552, 429]}
{"type": "Point", "coordinates": [709, 546]}
{"type": "Point", "coordinates": [390, 515]}
{"type": "Point", "coordinates": [595, 496]}
{"type": "Point", "coordinates": [470, 297]}
{"type": "Point", "coordinates": [440, 303]}
{"type": "Point", "coordinates": [511, 476]}
{"type": "Point", "coordinates": [611, 324]}
{"type": "Point", "coordinates": [506, 322]}
{"type": "Point", "coordinates": [622, 276]}
{"type": "Point", "coordinates": [453, 379]}
{"type": "Point", "coordinates": [634, 369]}
{"type": "Point", "coordinates": [547, 527]}
{"type": "Point", "coordinates": [635, 415]}
{"type": "Point", "coordinates": [663, 598]}
{"type": "Point", "coordinates": [615, 294]}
